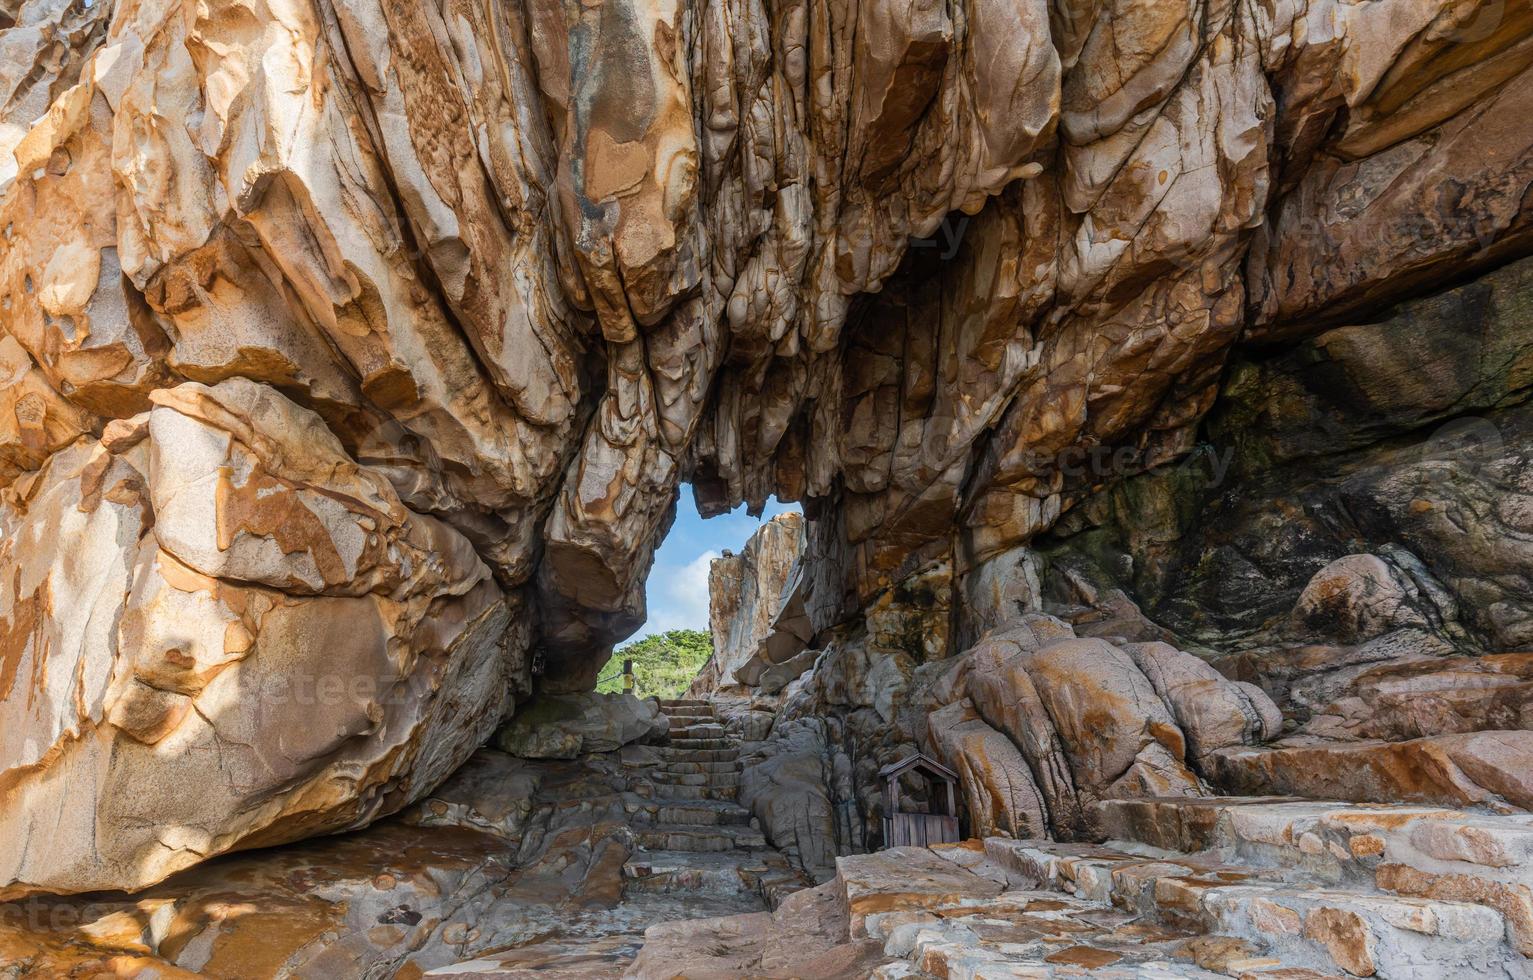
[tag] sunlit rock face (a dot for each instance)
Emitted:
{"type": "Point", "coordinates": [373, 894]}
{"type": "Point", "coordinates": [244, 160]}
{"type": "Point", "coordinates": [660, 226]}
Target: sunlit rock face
{"type": "Point", "coordinates": [373, 339]}
{"type": "Point", "coordinates": [745, 600]}
{"type": "Point", "coordinates": [224, 633]}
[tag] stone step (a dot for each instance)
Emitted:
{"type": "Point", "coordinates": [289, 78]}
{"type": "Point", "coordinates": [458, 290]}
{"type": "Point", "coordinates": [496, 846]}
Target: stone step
{"type": "Point", "coordinates": [682, 766]}
{"type": "Point", "coordinates": [1364, 934]}
{"type": "Point", "coordinates": [714, 779]}
{"type": "Point", "coordinates": [1095, 873]}
{"type": "Point", "coordinates": [702, 813]}
{"type": "Point", "coordinates": [686, 729]}
{"type": "Point", "coordinates": [778, 885]}
{"type": "Point", "coordinates": [728, 872]}
{"type": "Point", "coordinates": [1302, 923]}
{"type": "Point", "coordinates": [1432, 770]}
{"type": "Point", "coordinates": [685, 753]}
{"type": "Point", "coordinates": [962, 910]}
{"type": "Point", "coordinates": [1041, 936]}
{"type": "Point", "coordinates": [723, 873]}
{"type": "Point", "coordinates": [701, 710]}
{"type": "Point", "coordinates": [678, 837]}
{"type": "Point", "coordinates": [950, 911]}
{"type": "Point", "coordinates": [684, 793]}
{"type": "Point", "coordinates": [1426, 852]}
{"type": "Point", "coordinates": [684, 703]}
{"type": "Point", "coordinates": [676, 723]}
{"type": "Point", "coordinates": [690, 742]}
{"type": "Point", "coordinates": [731, 765]}
{"type": "Point", "coordinates": [905, 878]}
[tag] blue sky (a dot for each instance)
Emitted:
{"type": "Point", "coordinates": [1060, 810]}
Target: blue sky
{"type": "Point", "coordinates": [677, 590]}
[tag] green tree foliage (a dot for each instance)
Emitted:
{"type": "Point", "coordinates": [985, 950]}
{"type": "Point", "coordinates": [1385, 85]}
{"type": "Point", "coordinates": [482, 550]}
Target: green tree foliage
{"type": "Point", "coordinates": [663, 663]}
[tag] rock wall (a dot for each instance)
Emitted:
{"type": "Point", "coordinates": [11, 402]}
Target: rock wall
{"type": "Point", "coordinates": [440, 303]}
{"type": "Point", "coordinates": [745, 596]}
{"type": "Point", "coordinates": [1353, 538]}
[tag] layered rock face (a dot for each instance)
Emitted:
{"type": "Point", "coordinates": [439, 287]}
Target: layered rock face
{"type": "Point", "coordinates": [1351, 538]}
{"type": "Point", "coordinates": [745, 598]}
{"type": "Point", "coordinates": [215, 595]}
{"type": "Point", "coordinates": [366, 342]}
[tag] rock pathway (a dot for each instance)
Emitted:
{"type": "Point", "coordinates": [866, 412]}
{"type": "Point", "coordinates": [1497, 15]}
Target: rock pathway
{"type": "Point", "coordinates": [642, 863]}
{"type": "Point", "coordinates": [693, 833]}
{"type": "Point", "coordinates": [513, 867]}
{"type": "Point", "coordinates": [1190, 888]}
{"type": "Point", "coordinates": [697, 855]}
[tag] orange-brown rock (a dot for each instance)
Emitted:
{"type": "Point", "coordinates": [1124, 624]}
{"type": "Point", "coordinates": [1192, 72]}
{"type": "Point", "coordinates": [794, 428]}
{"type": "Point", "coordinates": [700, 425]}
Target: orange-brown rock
{"type": "Point", "coordinates": [1487, 768]}
{"type": "Point", "coordinates": [746, 596]}
{"type": "Point", "coordinates": [998, 786]}
{"type": "Point", "coordinates": [241, 608]}
{"type": "Point", "coordinates": [371, 341]}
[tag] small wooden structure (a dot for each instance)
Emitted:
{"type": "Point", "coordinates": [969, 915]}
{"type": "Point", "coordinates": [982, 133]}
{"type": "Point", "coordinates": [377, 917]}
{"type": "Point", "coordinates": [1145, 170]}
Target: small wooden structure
{"type": "Point", "coordinates": [922, 829]}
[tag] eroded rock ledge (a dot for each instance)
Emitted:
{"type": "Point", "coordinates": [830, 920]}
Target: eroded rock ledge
{"type": "Point", "coordinates": [370, 341]}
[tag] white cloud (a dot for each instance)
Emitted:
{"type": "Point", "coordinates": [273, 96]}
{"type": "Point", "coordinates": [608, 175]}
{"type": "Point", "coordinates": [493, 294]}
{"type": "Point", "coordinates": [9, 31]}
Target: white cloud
{"type": "Point", "coordinates": [678, 595]}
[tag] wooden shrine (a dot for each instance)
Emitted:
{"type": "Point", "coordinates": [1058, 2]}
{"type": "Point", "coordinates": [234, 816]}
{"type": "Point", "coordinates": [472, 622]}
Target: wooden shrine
{"type": "Point", "coordinates": [922, 829]}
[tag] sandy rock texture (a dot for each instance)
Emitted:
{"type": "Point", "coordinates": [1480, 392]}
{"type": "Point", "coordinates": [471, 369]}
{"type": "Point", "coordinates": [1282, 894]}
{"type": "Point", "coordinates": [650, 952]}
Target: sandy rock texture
{"type": "Point", "coordinates": [368, 342]}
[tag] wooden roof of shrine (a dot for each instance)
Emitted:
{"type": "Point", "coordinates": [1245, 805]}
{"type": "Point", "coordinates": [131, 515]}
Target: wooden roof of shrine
{"type": "Point", "coordinates": [895, 769]}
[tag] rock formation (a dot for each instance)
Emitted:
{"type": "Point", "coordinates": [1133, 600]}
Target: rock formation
{"type": "Point", "coordinates": [1154, 377]}
{"type": "Point", "coordinates": [568, 726]}
{"type": "Point", "coordinates": [214, 595]}
{"type": "Point", "coordinates": [1196, 890]}
{"type": "Point", "coordinates": [512, 867]}
{"type": "Point", "coordinates": [745, 597]}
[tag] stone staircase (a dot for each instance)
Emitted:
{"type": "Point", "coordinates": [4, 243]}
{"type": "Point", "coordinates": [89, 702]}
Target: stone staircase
{"type": "Point", "coordinates": [694, 835]}
{"type": "Point", "coordinates": [1241, 887]}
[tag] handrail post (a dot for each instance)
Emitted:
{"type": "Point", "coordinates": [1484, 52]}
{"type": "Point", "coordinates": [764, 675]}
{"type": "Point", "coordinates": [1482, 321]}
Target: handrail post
{"type": "Point", "coordinates": [628, 679]}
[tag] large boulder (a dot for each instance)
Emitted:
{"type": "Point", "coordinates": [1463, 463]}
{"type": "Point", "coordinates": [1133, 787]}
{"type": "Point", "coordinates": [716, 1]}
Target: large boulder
{"type": "Point", "coordinates": [1357, 598]}
{"type": "Point", "coordinates": [998, 787]}
{"type": "Point", "coordinates": [1085, 716]}
{"type": "Point", "coordinates": [567, 726]}
{"type": "Point", "coordinates": [216, 596]}
{"type": "Point", "coordinates": [1213, 711]}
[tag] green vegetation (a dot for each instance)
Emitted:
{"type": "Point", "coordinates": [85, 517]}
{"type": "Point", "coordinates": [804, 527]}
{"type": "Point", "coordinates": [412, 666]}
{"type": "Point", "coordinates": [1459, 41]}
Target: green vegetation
{"type": "Point", "coordinates": [663, 663]}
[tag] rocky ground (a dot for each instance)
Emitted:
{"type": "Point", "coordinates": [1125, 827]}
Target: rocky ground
{"type": "Point", "coordinates": [1233, 887]}
{"type": "Point", "coordinates": [514, 866]}
{"type": "Point", "coordinates": [636, 839]}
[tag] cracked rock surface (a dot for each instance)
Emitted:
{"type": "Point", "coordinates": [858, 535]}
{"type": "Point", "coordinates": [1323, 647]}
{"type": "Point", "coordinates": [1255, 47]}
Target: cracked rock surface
{"type": "Point", "coordinates": [355, 351]}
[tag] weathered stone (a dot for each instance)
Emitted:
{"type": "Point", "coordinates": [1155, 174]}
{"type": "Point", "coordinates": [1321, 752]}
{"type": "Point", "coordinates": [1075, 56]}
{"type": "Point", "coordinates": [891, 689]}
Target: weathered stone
{"type": "Point", "coordinates": [904, 878]}
{"type": "Point", "coordinates": [566, 726]}
{"type": "Point", "coordinates": [1082, 711]}
{"type": "Point", "coordinates": [745, 596]}
{"type": "Point", "coordinates": [997, 784]}
{"type": "Point", "coordinates": [1357, 598]}
{"type": "Point", "coordinates": [1213, 712]}
{"type": "Point", "coordinates": [788, 789]}
{"type": "Point", "coordinates": [374, 340]}
{"type": "Point", "coordinates": [1420, 698]}
{"type": "Point", "coordinates": [1346, 938]}
{"type": "Point", "coordinates": [344, 656]}
{"type": "Point", "coordinates": [806, 937]}
{"type": "Point", "coordinates": [1487, 768]}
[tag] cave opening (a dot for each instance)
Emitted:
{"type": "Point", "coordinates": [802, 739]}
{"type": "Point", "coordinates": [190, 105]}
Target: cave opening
{"type": "Point", "coordinates": [676, 640]}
